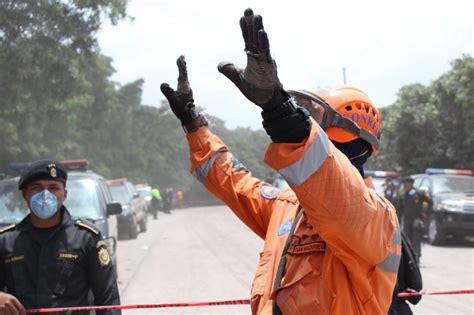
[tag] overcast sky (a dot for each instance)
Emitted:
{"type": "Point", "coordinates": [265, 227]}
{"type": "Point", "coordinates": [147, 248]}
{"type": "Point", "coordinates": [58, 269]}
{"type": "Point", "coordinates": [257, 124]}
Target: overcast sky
{"type": "Point", "coordinates": [383, 45]}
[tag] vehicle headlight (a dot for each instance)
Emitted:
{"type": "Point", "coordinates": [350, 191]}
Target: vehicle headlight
{"type": "Point", "coordinates": [450, 205]}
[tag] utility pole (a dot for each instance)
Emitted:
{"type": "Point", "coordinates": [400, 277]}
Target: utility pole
{"type": "Point", "coordinates": [344, 74]}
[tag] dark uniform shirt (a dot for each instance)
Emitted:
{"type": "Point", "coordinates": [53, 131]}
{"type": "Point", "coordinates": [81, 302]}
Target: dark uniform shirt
{"type": "Point", "coordinates": [57, 267]}
{"type": "Point", "coordinates": [409, 205]}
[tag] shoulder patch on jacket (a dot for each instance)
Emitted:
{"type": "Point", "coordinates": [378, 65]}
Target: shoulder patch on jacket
{"type": "Point", "coordinates": [269, 192]}
{"type": "Point", "coordinates": [88, 226]}
{"type": "Point", "coordinates": [237, 166]}
{"type": "Point", "coordinates": [7, 228]}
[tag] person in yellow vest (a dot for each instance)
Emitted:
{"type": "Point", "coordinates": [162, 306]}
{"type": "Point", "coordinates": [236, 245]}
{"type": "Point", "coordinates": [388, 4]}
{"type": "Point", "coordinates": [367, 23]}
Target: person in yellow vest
{"type": "Point", "coordinates": [332, 243]}
{"type": "Point", "coordinates": [156, 201]}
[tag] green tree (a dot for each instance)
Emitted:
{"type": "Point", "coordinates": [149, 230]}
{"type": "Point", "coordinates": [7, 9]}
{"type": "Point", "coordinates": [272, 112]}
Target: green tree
{"type": "Point", "coordinates": [45, 46]}
{"type": "Point", "coordinates": [431, 126]}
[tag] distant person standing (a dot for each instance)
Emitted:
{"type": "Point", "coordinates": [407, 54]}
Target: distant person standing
{"type": "Point", "coordinates": [410, 212]}
{"type": "Point", "coordinates": [179, 199]}
{"type": "Point", "coordinates": [168, 200]}
{"type": "Point", "coordinates": [409, 279]}
{"type": "Point", "coordinates": [155, 201]}
{"type": "Point", "coordinates": [390, 191]}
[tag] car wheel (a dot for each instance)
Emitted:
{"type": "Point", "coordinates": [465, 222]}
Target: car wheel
{"type": "Point", "coordinates": [435, 235]}
{"type": "Point", "coordinates": [134, 229]}
{"type": "Point", "coordinates": [143, 224]}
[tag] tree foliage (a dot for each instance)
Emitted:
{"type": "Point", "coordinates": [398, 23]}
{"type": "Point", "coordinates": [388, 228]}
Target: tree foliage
{"type": "Point", "coordinates": [431, 126]}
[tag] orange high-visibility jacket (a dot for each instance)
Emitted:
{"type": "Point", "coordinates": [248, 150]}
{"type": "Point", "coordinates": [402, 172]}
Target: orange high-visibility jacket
{"type": "Point", "coordinates": [344, 254]}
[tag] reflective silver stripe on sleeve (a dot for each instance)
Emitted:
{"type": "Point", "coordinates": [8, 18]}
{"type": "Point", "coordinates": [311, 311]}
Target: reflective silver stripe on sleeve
{"type": "Point", "coordinates": [298, 172]}
{"type": "Point", "coordinates": [376, 196]}
{"type": "Point", "coordinates": [390, 263]}
{"type": "Point", "coordinates": [202, 171]}
{"type": "Point", "coordinates": [397, 237]}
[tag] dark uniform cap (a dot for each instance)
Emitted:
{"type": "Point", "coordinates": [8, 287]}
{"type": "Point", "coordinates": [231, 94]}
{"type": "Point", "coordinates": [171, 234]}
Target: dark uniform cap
{"type": "Point", "coordinates": [408, 180]}
{"type": "Point", "coordinates": [43, 170]}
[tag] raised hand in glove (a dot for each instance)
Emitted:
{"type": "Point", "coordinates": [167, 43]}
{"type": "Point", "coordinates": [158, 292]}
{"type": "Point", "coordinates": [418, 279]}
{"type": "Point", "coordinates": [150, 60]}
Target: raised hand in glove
{"type": "Point", "coordinates": [259, 80]}
{"type": "Point", "coordinates": [181, 101]}
{"type": "Point", "coordinates": [283, 120]}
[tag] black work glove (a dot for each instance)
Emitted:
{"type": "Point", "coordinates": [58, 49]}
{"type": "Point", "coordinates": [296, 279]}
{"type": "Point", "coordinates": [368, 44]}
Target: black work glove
{"type": "Point", "coordinates": [259, 80]}
{"type": "Point", "coordinates": [181, 101]}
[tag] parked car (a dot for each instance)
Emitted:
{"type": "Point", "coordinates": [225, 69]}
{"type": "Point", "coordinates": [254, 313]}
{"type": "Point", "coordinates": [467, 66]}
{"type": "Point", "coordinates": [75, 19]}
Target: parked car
{"type": "Point", "coordinates": [133, 208]}
{"type": "Point", "coordinates": [88, 197]}
{"type": "Point", "coordinates": [450, 210]}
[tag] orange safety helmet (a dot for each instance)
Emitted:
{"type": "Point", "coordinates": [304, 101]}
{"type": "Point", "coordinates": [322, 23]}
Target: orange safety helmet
{"type": "Point", "coordinates": [350, 114]}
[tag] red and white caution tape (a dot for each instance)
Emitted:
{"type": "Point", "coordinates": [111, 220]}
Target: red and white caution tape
{"type": "Point", "coordinates": [133, 306]}
{"type": "Point", "coordinates": [407, 294]}
{"type": "Point", "coordinates": [194, 304]}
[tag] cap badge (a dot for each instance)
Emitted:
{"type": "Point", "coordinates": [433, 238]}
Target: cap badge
{"type": "Point", "coordinates": [53, 172]}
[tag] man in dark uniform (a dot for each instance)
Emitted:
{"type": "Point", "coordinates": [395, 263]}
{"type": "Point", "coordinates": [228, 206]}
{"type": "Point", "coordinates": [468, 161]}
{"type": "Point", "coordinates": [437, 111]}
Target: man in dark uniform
{"type": "Point", "coordinates": [50, 259]}
{"type": "Point", "coordinates": [410, 214]}
{"type": "Point", "coordinates": [390, 192]}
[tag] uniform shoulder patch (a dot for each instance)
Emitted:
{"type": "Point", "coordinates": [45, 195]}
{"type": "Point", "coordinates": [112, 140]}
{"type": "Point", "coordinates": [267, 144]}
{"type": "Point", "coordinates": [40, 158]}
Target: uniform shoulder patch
{"type": "Point", "coordinates": [269, 192]}
{"type": "Point", "coordinates": [104, 257]}
{"type": "Point", "coordinates": [88, 226]}
{"type": "Point", "coordinates": [237, 166]}
{"type": "Point", "coordinates": [7, 228]}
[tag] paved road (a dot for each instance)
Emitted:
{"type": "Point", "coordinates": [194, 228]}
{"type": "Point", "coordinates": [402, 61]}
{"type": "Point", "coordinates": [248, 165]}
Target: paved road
{"type": "Point", "coordinates": [206, 254]}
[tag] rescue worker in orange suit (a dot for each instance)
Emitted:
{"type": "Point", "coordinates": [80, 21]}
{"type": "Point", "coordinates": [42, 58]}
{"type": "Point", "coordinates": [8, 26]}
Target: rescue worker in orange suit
{"type": "Point", "coordinates": [332, 245]}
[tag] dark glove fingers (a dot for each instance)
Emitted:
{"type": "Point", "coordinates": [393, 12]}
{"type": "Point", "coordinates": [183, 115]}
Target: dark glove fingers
{"type": "Point", "coordinates": [257, 26]}
{"type": "Point", "coordinates": [170, 95]}
{"type": "Point", "coordinates": [167, 91]}
{"type": "Point", "coordinates": [231, 72]}
{"type": "Point", "coordinates": [183, 71]}
{"type": "Point", "coordinates": [248, 15]}
{"type": "Point", "coordinates": [264, 44]}
{"type": "Point", "coordinates": [245, 34]}
{"type": "Point", "coordinates": [183, 84]}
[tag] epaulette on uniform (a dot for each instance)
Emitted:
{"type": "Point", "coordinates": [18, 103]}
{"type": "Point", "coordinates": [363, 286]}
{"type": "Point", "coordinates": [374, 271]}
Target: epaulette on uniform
{"type": "Point", "coordinates": [88, 226]}
{"type": "Point", "coordinates": [7, 228]}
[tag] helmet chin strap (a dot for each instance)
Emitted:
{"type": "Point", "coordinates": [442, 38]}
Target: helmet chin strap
{"type": "Point", "coordinates": [358, 156]}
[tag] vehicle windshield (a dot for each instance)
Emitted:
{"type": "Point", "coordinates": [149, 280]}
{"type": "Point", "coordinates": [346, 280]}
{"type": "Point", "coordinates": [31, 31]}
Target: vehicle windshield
{"type": "Point", "coordinates": [121, 194]}
{"type": "Point", "coordinates": [13, 208]}
{"type": "Point", "coordinates": [82, 199]}
{"type": "Point", "coordinates": [460, 184]}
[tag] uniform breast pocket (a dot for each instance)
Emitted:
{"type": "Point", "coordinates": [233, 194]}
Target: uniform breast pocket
{"type": "Point", "coordinates": [18, 278]}
{"type": "Point", "coordinates": [262, 276]}
{"type": "Point", "coordinates": [304, 290]}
